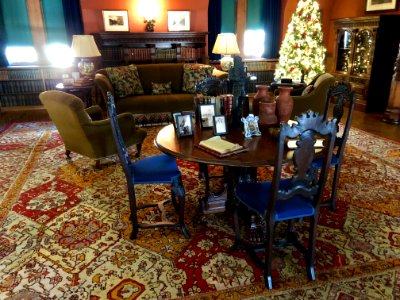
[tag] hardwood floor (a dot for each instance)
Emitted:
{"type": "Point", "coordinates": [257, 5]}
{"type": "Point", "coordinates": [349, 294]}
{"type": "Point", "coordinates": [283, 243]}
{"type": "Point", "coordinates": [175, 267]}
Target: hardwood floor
{"type": "Point", "coordinates": [370, 122]}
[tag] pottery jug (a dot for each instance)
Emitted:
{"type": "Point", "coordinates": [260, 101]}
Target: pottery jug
{"type": "Point", "coordinates": [262, 94]}
{"type": "Point", "coordinates": [284, 104]}
{"type": "Point", "coordinates": [267, 114]}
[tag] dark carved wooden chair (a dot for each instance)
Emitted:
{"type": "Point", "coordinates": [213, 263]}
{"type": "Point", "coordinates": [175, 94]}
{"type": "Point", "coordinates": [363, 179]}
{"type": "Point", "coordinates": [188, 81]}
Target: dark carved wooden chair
{"type": "Point", "coordinates": [158, 169]}
{"type": "Point", "coordinates": [288, 198]}
{"type": "Point", "coordinates": [341, 97]}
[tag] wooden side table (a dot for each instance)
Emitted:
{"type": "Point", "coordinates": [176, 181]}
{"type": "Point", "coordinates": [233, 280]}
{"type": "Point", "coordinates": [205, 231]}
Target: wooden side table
{"type": "Point", "coordinates": [87, 93]}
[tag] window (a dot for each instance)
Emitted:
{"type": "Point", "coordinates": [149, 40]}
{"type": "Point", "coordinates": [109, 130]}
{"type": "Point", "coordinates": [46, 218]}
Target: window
{"type": "Point", "coordinates": [254, 43]}
{"type": "Point", "coordinates": [20, 46]}
{"type": "Point", "coordinates": [17, 55]}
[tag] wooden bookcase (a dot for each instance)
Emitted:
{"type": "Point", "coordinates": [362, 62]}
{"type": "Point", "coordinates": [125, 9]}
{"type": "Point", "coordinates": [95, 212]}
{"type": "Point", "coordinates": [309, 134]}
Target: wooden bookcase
{"type": "Point", "coordinates": [123, 48]}
{"type": "Point", "coordinates": [21, 86]}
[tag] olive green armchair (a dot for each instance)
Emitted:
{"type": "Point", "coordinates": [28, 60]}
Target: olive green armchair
{"type": "Point", "coordinates": [83, 131]}
{"type": "Point", "coordinates": [314, 96]}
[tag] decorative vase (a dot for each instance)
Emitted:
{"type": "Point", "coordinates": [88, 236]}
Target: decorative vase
{"type": "Point", "coordinates": [284, 104]}
{"type": "Point", "coordinates": [267, 114]}
{"type": "Point", "coordinates": [261, 94]}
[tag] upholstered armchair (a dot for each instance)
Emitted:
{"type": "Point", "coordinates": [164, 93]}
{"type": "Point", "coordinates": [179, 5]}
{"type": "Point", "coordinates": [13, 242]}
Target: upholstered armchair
{"type": "Point", "coordinates": [314, 96]}
{"type": "Point", "coordinates": [83, 131]}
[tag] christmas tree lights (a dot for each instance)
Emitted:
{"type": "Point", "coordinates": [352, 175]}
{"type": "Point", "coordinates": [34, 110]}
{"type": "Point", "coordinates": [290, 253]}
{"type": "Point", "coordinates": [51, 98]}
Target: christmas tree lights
{"type": "Point", "coordinates": [302, 52]}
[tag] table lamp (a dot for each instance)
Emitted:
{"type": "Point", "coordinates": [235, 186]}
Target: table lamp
{"type": "Point", "coordinates": [85, 48]}
{"type": "Point", "coordinates": [226, 44]}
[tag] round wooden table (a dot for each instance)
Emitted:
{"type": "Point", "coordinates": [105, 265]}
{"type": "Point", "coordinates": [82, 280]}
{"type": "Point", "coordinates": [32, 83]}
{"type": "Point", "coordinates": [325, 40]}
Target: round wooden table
{"type": "Point", "coordinates": [261, 151]}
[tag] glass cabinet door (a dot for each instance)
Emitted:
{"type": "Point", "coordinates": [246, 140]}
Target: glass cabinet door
{"type": "Point", "coordinates": [344, 51]}
{"type": "Point", "coordinates": [363, 42]}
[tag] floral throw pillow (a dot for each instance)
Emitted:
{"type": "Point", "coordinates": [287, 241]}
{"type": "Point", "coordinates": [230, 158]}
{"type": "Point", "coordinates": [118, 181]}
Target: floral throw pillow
{"type": "Point", "coordinates": [193, 73]}
{"type": "Point", "coordinates": [161, 88]}
{"type": "Point", "coordinates": [125, 80]}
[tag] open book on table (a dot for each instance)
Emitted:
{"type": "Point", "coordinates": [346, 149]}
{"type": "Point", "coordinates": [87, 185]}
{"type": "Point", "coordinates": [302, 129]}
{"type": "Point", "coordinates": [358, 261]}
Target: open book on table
{"type": "Point", "coordinates": [219, 146]}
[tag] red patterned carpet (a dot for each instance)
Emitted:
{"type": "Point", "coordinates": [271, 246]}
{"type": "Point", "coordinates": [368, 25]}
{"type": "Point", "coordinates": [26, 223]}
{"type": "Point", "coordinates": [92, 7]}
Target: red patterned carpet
{"type": "Point", "coordinates": [65, 233]}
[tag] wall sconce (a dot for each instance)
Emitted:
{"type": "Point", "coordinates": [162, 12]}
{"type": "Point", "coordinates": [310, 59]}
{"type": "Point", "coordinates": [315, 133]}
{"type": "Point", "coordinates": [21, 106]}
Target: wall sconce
{"type": "Point", "coordinates": [149, 24]}
{"type": "Point", "coordinates": [85, 48]}
{"type": "Point", "coordinates": [226, 44]}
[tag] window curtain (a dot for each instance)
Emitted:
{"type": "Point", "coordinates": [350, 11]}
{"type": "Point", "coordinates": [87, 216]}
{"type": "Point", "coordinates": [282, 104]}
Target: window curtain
{"type": "Point", "coordinates": [72, 18]}
{"type": "Point", "coordinates": [214, 25]}
{"type": "Point", "coordinates": [54, 22]}
{"type": "Point", "coordinates": [3, 42]}
{"type": "Point", "coordinates": [272, 22]}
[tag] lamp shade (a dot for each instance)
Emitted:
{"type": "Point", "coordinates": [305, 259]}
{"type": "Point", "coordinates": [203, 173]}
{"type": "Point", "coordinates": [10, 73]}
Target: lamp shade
{"type": "Point", "coordinates": [84, 46]}
{"type": "Point", "coordinates": [226, 43]}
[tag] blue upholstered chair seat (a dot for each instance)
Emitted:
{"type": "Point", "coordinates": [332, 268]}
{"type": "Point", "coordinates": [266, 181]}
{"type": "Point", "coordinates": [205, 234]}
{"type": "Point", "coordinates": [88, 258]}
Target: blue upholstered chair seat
{"type": "Point", "coordinates": [318, 162]}
{"type": "Point", "coordinates": [251, 193]}
{"type": "Point", "coordinates": [155, 169]}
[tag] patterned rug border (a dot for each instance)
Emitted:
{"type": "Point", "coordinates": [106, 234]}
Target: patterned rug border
{"type": "Point", "coordinates": [11, 196]}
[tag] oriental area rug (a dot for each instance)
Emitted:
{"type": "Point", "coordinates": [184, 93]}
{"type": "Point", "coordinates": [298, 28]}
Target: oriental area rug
{"type": "Point", "coordinates": [64, 231]}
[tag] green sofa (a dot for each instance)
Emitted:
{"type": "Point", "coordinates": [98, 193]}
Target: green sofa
{"type": "Point", "coordinates": [180, 97]}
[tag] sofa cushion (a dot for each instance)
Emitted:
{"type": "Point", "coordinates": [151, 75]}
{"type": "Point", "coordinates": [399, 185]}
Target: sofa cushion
{"type": "Point", "coordinates": [193, 73]}
{"type": "Point", "coordinates": [161, 88]}
{"type": "Point", "coordinates": [125, 80]}
{"type": "Point", "coordinates": [163, 72]}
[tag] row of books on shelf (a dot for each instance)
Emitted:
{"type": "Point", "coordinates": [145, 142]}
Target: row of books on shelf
{"type": "Point", "coordinates": [261, 65]}
{"type": "Point", "coordinates": [32, 73]}
{"type": "Point", "coordinates": [27, 86]}
{"type": "Point", "coordinates": [139, 54]}
{"type": "Point", "coordinates": [19, 100]}
{"type": "Point", "coordinates": [263, 75]}
{"type": "Point", "coordinates": [191, 53]}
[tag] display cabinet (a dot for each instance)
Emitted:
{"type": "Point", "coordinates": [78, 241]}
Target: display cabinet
{"type": "Point", "coordinates": [355, 45]}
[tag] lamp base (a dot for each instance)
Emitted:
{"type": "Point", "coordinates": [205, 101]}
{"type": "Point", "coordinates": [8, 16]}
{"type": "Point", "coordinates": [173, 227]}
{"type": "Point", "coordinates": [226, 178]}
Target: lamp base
{"type": "Point", "coordinates": [86, 68]}
{"type": "Point", "coordinates": [226, 62]}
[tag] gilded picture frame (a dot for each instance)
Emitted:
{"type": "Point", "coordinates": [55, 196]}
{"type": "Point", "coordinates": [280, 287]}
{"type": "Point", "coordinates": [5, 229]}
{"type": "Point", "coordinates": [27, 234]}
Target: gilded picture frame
{"type": "Point", "coordinates": [380, 5]}
{"type": "Point", "coordinates": [115, 20]}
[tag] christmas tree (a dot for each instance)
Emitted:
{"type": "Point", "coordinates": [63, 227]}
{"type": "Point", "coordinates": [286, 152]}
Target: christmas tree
{"type": "Point", "coordinates": [302, 52]}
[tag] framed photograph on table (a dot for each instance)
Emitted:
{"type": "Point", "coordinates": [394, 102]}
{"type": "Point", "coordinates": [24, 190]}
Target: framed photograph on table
{"type": "Point", "coordinates": [207, 112]}
{"type": "Point", "coordinates": [174, 115]}
{"type": "Point", "coordinates": [115, 20]}
{"type": "Point", "coordinates": [380, 5]}
{"type": "Point", "coordinates": [184, 125]}
{"type": "Point", "coordinates": [220, 127]}
{"type": "Point", "coordinates": [178, 20]}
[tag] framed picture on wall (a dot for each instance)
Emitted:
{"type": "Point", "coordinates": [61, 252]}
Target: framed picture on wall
{"type": "Point", "coordinates": [178, 20]}
{"type": "Point", "coordinates": [379, 5]}
{"type": "Point", "coordinates": [115, 20]}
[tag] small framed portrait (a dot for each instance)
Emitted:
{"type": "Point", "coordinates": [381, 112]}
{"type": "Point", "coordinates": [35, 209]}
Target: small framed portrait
{"type": "Point", "coordinates": [220, 127]}
{"type": "Point", "coordinates": [207, 112]}
{"type": "Point", "coordinates": [174, 115]}
{"type": "Point", "coordinates": [184, 125]}
{"type": "Point", "coordinates": [115, 20]}
{"type": "Point", "coordinates": [380, 5]}
{"type": "Point", "coordinates": [251, 126]}
{"type": "Point", "coordinates": [178, 20]}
